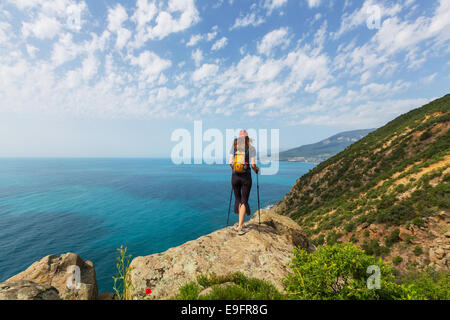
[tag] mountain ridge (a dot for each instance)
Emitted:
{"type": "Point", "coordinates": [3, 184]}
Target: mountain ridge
{"type": "Point", "coordinates": [322, 150]}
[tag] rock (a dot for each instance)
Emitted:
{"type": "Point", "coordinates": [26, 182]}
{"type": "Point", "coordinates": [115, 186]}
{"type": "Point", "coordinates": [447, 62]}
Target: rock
{"type": "Point", "coordinates": [262, 254]}
{"type": "Point", "coordinates": [373, 228]}
{"type": "Point", "coordinates": [447, 234]}
{"type": "Point", "coordinates": [55, 271]}
{"type": "Point", "coordinates": [106, 296]}
{"type": "Point", "coordinates": [27, 290]}
{"type": "Point", "coordinates": [404, 233]}
{"type": "Point", "coordinates": [362, 226]}
{"type": "Point", "coordinates": [444, 215]}
{"type": "Point", "coordinates": [436, 254]}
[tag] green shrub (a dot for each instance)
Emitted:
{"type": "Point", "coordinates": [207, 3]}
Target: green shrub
{"type": "Point", "coordinates": [418, 221]}
{"type": "Point", "coordinates": [418, 251]}
{"type": "Point", "coordinates": [409, 239]}
{"type": "Point", "coordinates": [333, 237]}
{"type": "Point", "coordinates": [392, 238]}
{"type": "Point", "coordinates": [339, 272]}
{"type": "Point", "coordinates": [350, 227]}
{"type": "Point", "coordinates": [373, 247]}
{"type": "Point", "coordinates": [397, 260]}
{"type": "Point", "coordinates": [429, 284]}
{"type": "Point", "coordinates": [426, 135]}
{"type": "Point", "coordinates": [353, 239]}
{"type": "Point", "coordinates": [319, 240]}
{"type": "Point", "coordinates": [234, 286]}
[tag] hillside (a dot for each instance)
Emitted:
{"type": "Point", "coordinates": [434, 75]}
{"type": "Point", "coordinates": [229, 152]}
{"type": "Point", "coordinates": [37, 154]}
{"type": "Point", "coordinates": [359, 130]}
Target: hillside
{"type": "Point", "coordinates": [322, 150]}
{"type": "Point", "coordinates": [388, 192]}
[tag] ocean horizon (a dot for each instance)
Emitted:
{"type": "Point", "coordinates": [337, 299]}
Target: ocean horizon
{"type": "Point", "coordinates": [92, 206]}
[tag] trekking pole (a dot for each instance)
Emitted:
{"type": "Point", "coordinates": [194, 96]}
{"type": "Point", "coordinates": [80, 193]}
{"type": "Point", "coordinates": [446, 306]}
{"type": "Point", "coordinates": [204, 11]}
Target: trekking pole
{"type": "Point", "coordinates": [259, 209]}
{"type": "Point", "coordinates": [229, 206]}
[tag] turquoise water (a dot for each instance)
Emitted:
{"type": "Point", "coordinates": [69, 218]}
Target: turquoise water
{"type": "Point", "coordinates": [92, 206]}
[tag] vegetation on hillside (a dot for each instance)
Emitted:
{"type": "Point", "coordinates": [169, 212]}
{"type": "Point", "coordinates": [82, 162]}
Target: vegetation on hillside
{"type": "Point", "coordinates": [338, 272]}
{"type": "Point", "coordinates": [396, 176]}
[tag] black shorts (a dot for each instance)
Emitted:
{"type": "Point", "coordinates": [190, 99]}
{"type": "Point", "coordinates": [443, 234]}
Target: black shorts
{"type": "Point", "coordinates": [242, 184]}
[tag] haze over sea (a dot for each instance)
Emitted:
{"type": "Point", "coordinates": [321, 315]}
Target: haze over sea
{"type": "Point", "coordinates": [92, 206]}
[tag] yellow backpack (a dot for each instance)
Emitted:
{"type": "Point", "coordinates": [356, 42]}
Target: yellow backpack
{"type": "Point", "coordinates": [239, 164]}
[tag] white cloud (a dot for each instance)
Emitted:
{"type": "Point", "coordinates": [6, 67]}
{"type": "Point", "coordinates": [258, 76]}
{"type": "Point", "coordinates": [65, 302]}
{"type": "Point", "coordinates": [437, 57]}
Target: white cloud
{"type": "Point", "coordinates": [219, 44]}
{"type": "Point", "coordinates": [116, 17]}
{"type": "Point", "coordinates": [151, 65]}
{"type": "Point", "coordinates": [272, 40]}
{"type": "Point", "coordinates": [369, 114]}
{"type": "Point", "coordinates": [205, 71]}
{"type": "Point", "coordinates": [166, 24]}
{"type": "Point", "coordinates": [31, 50]}
{"type": "Point", "coordinates": [43, 28]}
{"type": "Point", "coordinates": [429, 79]}
{"type": "Point", "coordinates": [313, 3]}
{"type": "Point", "coordinates": [5, 31]}
{"type": "Point", "coordinates": [144, 13]}
{"type": "Point", "coordinates": [194, 40]}
{"type": "Point", "coordinates": [360, 17]}
{"type": "Point", "coordinates": [249, 20]}
{"type": "Point", "coordinates": [64, 50]}
{"type": "Point", "coordinates": [211, 35]}
{"type": "Point", "coordinates": [197, 55]}
{"type": "Point", "coordinates": [89, 67]}
{"type": "Point", "coordinates": [270, 5]}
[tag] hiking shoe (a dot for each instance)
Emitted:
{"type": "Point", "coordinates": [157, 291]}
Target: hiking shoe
{"type": "Point", "coordinates": [244, 227]}
{"type": "Point", "coordinates": [242, 232]}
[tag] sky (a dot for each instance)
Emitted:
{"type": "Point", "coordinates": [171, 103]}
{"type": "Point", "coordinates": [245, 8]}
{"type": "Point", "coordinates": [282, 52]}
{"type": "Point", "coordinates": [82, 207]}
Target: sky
{"type": "Point", "coordinates": [101, 78]}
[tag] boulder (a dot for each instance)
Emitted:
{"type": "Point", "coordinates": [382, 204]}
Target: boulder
{"type": "Point", "coordinates": [55, 271]}
{"type": "Point", "coordinates": [27, 290]}
{"type": "Point", "coordinates": [263, 252]}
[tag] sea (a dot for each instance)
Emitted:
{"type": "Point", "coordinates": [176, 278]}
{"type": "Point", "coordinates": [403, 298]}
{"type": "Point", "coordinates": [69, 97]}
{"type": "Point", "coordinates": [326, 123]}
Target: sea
{"type": "Point", "coordinates": [93, 206]}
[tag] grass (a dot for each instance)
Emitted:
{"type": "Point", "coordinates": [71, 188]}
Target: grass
{"type": "Point", "coordinates": [234, 286]}
{"type": "Point", "coordinates": [122, 283]}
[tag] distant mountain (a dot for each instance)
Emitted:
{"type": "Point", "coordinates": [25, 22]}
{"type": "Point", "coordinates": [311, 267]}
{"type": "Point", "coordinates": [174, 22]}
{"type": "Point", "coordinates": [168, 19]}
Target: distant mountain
{"type": "Point", "coordinates": [320, 151]}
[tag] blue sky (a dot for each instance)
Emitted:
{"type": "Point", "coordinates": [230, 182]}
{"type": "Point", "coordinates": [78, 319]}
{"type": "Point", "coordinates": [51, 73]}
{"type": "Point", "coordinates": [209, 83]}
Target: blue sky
{"type": "Point", "coordinates": [115, 78]}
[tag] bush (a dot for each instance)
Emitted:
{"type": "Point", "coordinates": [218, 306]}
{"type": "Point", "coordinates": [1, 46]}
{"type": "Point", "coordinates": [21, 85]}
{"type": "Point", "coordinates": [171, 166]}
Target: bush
{"type": "Point", "coordinates": [418, 222]}
{"type": "Point", "coordinates": [319, 240]}
{"type": "Point", "coordinates": [429, 284]}
{"type": "Point", "coordinates": [353, 239]}
{"type": "Point", "coordinates": [350, 227]}
{"type": "Point", "coordinates": [409, 239]}
{"type": "Point", "coordinates": [418, 251]}
{"type": "Point", "coordinates": [333, 237]}
{"type": "Point", "coordinates": [392, 238]}
{"type": "Point", "coordinates": [339, 272]}
{"type": "Point", "coordinates": [238, 287]}
{"type": "Point", "coordinates": [426, 135]}
{"type": "Point", "coordinates": [373, 248]}
{"type": "Point", "coordinates": [397, 260]}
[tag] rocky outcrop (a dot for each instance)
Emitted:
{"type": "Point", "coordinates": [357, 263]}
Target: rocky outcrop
{"type": "Point", "coordinates": [27, 290]}
{"type": "Point", "coordinates": [54, 271]}
{"type": "Point", "coordinates": [263, 252]}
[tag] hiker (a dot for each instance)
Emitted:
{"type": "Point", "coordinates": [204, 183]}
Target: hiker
{"type": "Point", "coordinates": [242, 156]}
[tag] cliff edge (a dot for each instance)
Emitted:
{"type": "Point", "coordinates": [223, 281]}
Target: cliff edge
{"type": "Point", "coordinates": [263, 252]}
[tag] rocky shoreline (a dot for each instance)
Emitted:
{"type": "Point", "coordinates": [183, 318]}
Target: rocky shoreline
{"type": "Point", "coordinates": [263, 253]}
